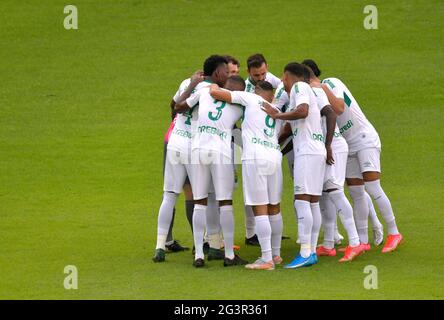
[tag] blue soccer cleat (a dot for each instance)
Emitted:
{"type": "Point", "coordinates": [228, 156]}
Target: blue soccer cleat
{"type": "Point", "coordinates": [300, 262]}
{"type": "Point", "coordinates": [314, 257]}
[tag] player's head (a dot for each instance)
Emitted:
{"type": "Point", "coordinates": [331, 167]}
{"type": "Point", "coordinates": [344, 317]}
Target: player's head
{"type": "Point", "coordinates": [235, 83]}
{"type": "Point", "coordinates": [233, 65]}
{"type": "Point", "coordinates": [265, 90]}
{"type": "Point", "coordinates": [257, 67]}
{"type": "Point", "coordinates": [313, 66]}
{"type": "Point", "coordinates": [216, 68]}
{"type": "Point", "coordinates": [294, 72]}
{"type": "Point", "coordinates": [311, 74]}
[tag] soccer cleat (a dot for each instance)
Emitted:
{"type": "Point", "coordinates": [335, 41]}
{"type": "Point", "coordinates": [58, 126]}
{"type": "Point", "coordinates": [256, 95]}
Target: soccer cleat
{"type": "Point", "coordinates": [199, 263]}
{"type": "Point", "coordinates": [300, 262]}
{"type": "Point", "coordinates": [215, 254]}
{"type": "Point", "coordinates": [260, 264]}
{"type": "Point", "coordinates": [277, 260]}
{"type": "Point", "coordinates": [338, 238]}
{"type": "Point", "coordinates": [315, 257]}
{"type": "Point", "coordinates": [285, 237]}
{"type": "Point", "coordinates": [176, 247]}
{"type": "Point", "coordinates": [253, 241]}
{"type": "Point", "coordinates": [352, 252]}
{"type": "Point", "coordinates": [393, 241]}
{"type": "Point", "coordinates": [236, 247]}
{"type": "Point", "coordinates": [159, 255]}
{"type": "Point", "coordinates": [367, 246]}
{"type": "Point", "coordinates": [378, 235]}
{"type": "Point", "coordinates": [236, 261]}
{"type": "Point", "coordinates": [323, 251]}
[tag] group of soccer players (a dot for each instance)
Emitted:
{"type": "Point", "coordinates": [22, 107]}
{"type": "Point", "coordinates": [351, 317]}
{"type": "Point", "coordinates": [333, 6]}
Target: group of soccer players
{"type": "Point", "coordinates": [319, 127]}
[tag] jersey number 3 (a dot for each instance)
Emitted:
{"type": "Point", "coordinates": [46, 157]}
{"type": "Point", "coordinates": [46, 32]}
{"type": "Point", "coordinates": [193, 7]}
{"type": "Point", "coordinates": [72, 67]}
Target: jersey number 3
{"type": "Point", "coordinates": [219, 111]}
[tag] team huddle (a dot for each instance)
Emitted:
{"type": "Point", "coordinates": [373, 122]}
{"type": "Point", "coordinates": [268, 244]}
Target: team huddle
{"type": "Point", "coordinates": [317, 125]}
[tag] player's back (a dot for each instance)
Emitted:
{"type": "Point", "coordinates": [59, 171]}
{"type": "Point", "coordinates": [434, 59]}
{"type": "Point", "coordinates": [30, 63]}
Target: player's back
{"type": "Point", "coordinates": [353, 124]}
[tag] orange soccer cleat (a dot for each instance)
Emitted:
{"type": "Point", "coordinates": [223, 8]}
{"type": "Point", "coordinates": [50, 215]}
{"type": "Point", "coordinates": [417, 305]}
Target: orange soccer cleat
{"type": "Point", "coordinates": [277, 260]}
{"type": "Point", "coordinates": [353, 252]}
{"type": "Point", "coordinates": [323, 251]}
{"type": "Point", "coordinates": [393, 241]}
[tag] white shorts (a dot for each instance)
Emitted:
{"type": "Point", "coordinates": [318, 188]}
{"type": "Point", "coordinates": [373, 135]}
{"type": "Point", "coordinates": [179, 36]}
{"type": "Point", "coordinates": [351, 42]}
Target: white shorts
{"type": "Point", "coordinates": [212, 167]}
{"type": "Point", "coordinates": [262, 182]}
{"type": "Point", "coordinates": [309, 173]}
{"type": "Point", "coordinates": [335, 174]}
{"type": "Point", "coordinates": [177, 168]}
{"type": "Point", "coordinates": [363, 161]}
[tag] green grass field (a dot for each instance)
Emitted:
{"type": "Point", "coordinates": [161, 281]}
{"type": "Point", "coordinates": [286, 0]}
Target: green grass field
{"type": "Point", "coordinates": [82, 118]}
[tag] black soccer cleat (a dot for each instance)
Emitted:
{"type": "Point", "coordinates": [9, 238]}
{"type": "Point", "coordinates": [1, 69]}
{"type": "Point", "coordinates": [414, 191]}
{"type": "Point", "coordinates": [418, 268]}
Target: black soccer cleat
{"type": "Point", "coordinates": [236, 261]}
{"type": "Point", "coordinates": [176, 247]}
{"type": "Point", "coordinates": [253, 241]}
{"type": "Point", "coordinates": [216, 254]}
{"type": "Point", "coordinates": [285, 237]}
{"type": "Point", "coordinates": [159, 255]}
{"type": "Point", "coordinates": [199, 263]}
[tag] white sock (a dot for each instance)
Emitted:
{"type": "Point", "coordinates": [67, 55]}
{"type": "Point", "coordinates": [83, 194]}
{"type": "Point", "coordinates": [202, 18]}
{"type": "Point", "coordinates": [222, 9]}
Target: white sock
{"type": "Point", "coordinates": [227, 224]}
{"type": "Point", "coordinates": [360, 210]}
{"type": "Point", "coordinates": [305, 224]}
{"type": "Point", "coordinates": [317, 220]}
{"type": "Point", "coordinates": [373, 217]}
{"type": "Point", "coordinates": [375, 190]}
{"type": "Point", "coordinates": [164, 218]}
{"type": "Point", "coordinates": [250, 222]}
{"type": "Point", "coordinates": [345, 212]}
{"type": "Point", "coordinates": [277, 227]}
{"type": "Point", "coordinates": [213, 222]}
{"type": "Point", "coordinates": [263, 229]}
{"type": "Point", "coordinates": [199, 229]}
{"type": "Point", "coordinates": [328, 212]}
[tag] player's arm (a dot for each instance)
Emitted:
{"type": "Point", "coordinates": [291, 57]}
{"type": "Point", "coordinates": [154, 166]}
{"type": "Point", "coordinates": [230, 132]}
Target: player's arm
{"type": "Point", "coordinates": [173, 112]}
{"type": "Point", "coordinates": [300, 112]}
{"type": "Point", "coordinates": [217, 93]}
{"type": "Point", "coordinates": [181, 104]}
{"type": "Point", "coordinates": [330, 116]}
{"type": "Point", "coordinates": [336, 103]}
{"type": "Point", "coordinates": [285, 133]}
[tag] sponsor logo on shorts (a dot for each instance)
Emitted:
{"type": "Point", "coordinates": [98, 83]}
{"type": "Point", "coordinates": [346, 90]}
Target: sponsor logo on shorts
{"type": "Point", "coordinates": [367, 164]}
{"type": "Point", "coordinates": [297, 188]}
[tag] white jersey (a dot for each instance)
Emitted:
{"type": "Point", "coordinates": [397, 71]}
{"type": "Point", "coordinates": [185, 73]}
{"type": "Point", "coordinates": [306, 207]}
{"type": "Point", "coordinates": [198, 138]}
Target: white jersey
{"type": "Point", "coordinates": [307, 132]}
{"type": "Point", "coordinates": [281, 99]}
{"type": "Point", "coordinates": [338, 144]}
{"type": "Point", "coordinates": [269, 77]}
{"type": "Point", "coordinates": [215, 121]}
{"type": "Point", "coordinates": [180, 139]}
{"type": "Point", "coordinates": [259, 130]}
{"type": "Point", "coordinates": [353, 125]}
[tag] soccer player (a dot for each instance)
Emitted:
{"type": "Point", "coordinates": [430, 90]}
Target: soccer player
{"type": "Point", "coordinates": [233, 65]}
{"type": "Point", "coordinates": [257, 68]}
{"type": "Point", "coordinates": [363, 164]}
{"type": "Point", "coordinates": [378, 232]}
{"type": "Point", "coordinates": [211, 147]}
{"type": "Point", "coordinates": [261, 168]}
{"type": "Point", "coordinates": [177, 169]}
{"type": "Point", "coordinates": [310, 158]}
{"type": "Point", "coordinates": [333, 198]}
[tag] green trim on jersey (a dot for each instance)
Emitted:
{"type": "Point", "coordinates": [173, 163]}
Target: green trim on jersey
{"type": "Point", "coordinates": [296, 88]}
{"type": "Point", "coordinates": [347, 100]}
{"type": "Point", "coordinates": [327, 81]}
{"type": "Point", "coordinates": [279, 93]}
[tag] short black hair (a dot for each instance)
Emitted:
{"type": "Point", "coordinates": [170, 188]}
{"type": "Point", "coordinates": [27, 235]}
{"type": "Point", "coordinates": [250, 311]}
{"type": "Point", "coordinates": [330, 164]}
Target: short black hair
{"type": "Point", "coordinates": [256, 61]}
{"type": "Point", "coordinates": [313, 66]}
{"type": "Point", "coordinates": [264, 85]}
{"type": "Point", "coordinates": [231, 59]}
{"type": "Point", "coordinates": [212, 63]}
{"type": "Point", "coordinates": [237, 79]}
{"type": "Point", "coordinates": [298, 70]}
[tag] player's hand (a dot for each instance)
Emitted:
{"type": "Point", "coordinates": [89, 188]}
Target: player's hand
{"type": "Point", "coordinates": [197, 77]}
{"type": "Point", "coordinates": [272, 112]}
{"type": "Point", "coordinates": [330, 159]}
{"type": "Point", "coordinates": [315, 84]}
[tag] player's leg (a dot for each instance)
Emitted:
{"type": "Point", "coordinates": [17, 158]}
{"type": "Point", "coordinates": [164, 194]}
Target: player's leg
{"type": "Point", "coordinates": [314, 187]}
{"type": "Point", "coordinates": [328, 212]}
{"type": "Point", "coordinates": [303, 211]}
{"type": "Point", "coordinates": [356, 189]}
{"type": "Point", "coordinates": [189, 202]}
{"type": "Point", "coordinates": [378, 229]}
{"type": "Point", "coordinates": [369, 160]}
{"type": "Point", "coordinates": [174, 178]}
{"type": "Point", "coordinates": [250, 227]}
{"type": "Point", "coordinates": [223, 180]}
{"type": "Point", "coordinates": [200, 183]}
{"type": "Point", "coordinates": [274, 212]}
{"type": "Point", "coordinates": [214, 229]}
